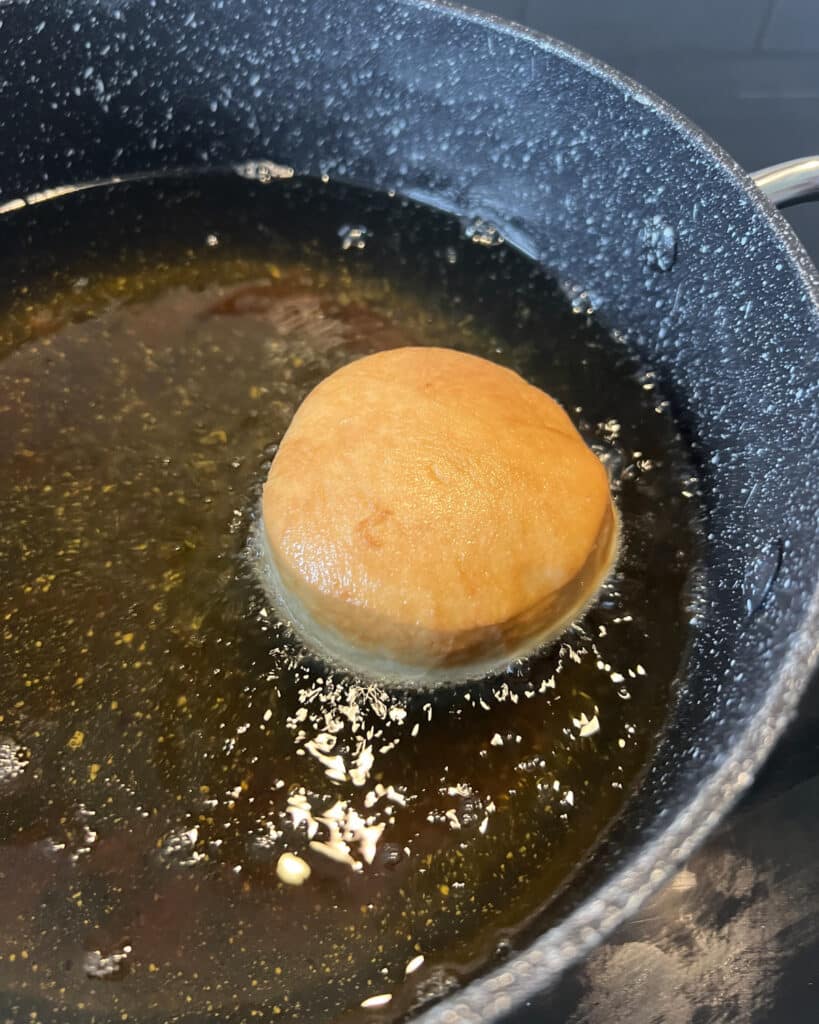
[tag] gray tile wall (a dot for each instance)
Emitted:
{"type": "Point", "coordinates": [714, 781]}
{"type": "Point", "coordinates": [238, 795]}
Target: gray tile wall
{"type": "Point", "coordinates": [634, 26]}
{"type": "Point", "coordinates": [793, 26]}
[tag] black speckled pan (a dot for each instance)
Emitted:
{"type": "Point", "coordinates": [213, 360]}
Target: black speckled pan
{"type": "Point", "coordinates": [610, 188]}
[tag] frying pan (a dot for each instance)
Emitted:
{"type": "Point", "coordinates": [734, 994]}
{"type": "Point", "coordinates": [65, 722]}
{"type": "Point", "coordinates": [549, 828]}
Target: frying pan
{"type": "Point", "coordinates": [602, 182]}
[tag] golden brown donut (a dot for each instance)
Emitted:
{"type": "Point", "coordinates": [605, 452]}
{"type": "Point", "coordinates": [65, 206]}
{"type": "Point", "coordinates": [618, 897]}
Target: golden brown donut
{"type": "Point", "coordinates": [429, 515]}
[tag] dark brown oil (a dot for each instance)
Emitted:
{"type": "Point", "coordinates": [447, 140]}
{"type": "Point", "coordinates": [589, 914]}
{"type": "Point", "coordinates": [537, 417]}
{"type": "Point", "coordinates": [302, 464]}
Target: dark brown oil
{"type": "Point", "coordinates": [156, 722]}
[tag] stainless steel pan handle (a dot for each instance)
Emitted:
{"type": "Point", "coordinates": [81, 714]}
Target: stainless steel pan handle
{"type": "Point", "coordinates": [795, 181]}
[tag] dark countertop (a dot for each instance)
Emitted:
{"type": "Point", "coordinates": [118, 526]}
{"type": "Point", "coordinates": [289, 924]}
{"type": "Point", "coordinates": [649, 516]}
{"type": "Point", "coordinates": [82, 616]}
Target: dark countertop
{"type": "Point", "coordinates": [735, 936]}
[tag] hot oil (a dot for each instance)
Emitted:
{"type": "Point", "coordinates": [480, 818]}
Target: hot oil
{"type": "Point", "coordinates": [163, 740]}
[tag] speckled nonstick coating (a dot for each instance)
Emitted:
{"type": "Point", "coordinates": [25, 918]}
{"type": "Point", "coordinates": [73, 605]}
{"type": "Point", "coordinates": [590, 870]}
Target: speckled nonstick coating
{"type": "Point", "coordinates": [606, 185]}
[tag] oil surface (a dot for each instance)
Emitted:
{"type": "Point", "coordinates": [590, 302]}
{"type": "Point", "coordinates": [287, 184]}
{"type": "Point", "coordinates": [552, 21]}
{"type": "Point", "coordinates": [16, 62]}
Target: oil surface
{"type": "Point", "coordinates": [163, 740]}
